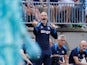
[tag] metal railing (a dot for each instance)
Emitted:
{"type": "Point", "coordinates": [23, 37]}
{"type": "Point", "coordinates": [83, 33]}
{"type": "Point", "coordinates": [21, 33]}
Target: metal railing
{"type": "Point", "coordinates": [58, 13]}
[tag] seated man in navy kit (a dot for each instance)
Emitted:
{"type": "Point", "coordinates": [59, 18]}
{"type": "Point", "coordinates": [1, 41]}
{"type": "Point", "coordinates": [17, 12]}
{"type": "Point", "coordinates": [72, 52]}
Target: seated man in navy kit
{"type": "Point", "coordinates": [42, 31]}
{"type": "Point", "coordinates": [78, 54]}
{"type": "Point", "coordinates": [59, 52]}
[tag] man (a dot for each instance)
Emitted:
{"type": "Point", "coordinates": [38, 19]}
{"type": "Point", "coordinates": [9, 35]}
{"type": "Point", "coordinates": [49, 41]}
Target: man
{"type": "Point", "coordinates": [78, 54]}
{"type": "Point", "coordinates": [25, 56]}
{"type": "Point", "coordinates": [59, 52]}
{"type": "Point", "coordinates": [42, 31]}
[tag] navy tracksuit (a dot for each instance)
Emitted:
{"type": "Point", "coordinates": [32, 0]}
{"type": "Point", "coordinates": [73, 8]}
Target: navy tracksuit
{"type": "Point", "coordinates": [76, 52]}
{"type": "Point", "coordinates": [59, 51]}
{"type": "Point", "coordinates": [42, 38]}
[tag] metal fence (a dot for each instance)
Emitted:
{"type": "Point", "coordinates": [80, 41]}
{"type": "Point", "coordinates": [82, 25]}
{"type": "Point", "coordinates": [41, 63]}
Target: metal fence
{"type": "Point", "coordinates": [58, 13]}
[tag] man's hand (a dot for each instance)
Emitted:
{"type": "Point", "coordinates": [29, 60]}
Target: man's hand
{"type": "Point", "coordinates": [53, 26]}
{"type": "Point", "coordinates": [34, 23]}
{"type": "Point", "coordinates": [29, 63]}
{"type": "Point", "coordinates": [62, 63]}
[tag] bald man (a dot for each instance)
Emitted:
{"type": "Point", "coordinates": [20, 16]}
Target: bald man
{"type": "Point", "coordinates": [78, 54]}
{"type": "Point", "coordinates": [42, 32]}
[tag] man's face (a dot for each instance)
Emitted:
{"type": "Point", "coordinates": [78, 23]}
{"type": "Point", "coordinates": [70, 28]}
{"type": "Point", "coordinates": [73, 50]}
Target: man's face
{"type": "Point", "coordinates": [44, 17]}
{"type": "Point", "coordinates": [83, 46]}
{"type": "Point", "coordinates": [61, 41]}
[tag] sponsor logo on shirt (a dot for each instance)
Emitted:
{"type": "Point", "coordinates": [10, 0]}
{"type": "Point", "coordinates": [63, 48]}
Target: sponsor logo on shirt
{"type": "Point", "coordinates": [44, 31]}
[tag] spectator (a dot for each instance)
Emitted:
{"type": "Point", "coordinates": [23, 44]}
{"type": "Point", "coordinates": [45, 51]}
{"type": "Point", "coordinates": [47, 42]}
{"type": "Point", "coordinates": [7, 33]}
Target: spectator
{"type": "Point", "coordinates": [42, 6]}
{"type": "Point", "coordinates": [79, 9]}
{"type": "Point", "coordinates": [59, 52]}
{"type": "Point", "coordinates": [25, 57]}
{"type": "Point", "coordinates": [42, 31]}
{"type": "Point", "coordinates": [54, 10]}
{"type": "Point", "coordinates": [65, 7]}
{"type": "Point", "coordinates": [86, 18]}
{"type": "Point", "coordinates": [86, 11]}
{"type": "Point", "coordinates": [78, 54]}
{"type": "Point", "coordinates": [26, 52]}
{"type": "Point", "coordinates": [31, 11]}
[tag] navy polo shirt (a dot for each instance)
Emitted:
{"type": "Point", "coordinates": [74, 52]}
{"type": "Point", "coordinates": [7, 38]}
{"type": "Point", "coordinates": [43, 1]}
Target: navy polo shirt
{"type": "Point", "coordinates": [76, 52]}
{"type": "Point", "coordinates": [60, 51]}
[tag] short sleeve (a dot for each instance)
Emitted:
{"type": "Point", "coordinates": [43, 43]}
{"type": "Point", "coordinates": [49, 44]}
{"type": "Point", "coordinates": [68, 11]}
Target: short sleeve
{"type": "Point", "coordinates": [65, 50]}
{"type": "Point", "coordinates": [74, 53]}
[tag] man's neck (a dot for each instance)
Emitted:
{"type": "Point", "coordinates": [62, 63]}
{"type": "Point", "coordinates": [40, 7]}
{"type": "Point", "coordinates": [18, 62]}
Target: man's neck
{"type": "Point", "coordinates": [60, 46]}
{"type": "Point", "coordinates": [44, 23]}
{"type": "Point", "coordinates": [81, 50]}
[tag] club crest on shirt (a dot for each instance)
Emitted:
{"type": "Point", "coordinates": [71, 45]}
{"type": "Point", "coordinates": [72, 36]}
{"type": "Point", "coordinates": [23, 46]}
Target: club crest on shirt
{"type": "Point", "coordinates": [62, 51]}
{"type": "Point", "coordinates": [41, 27]}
